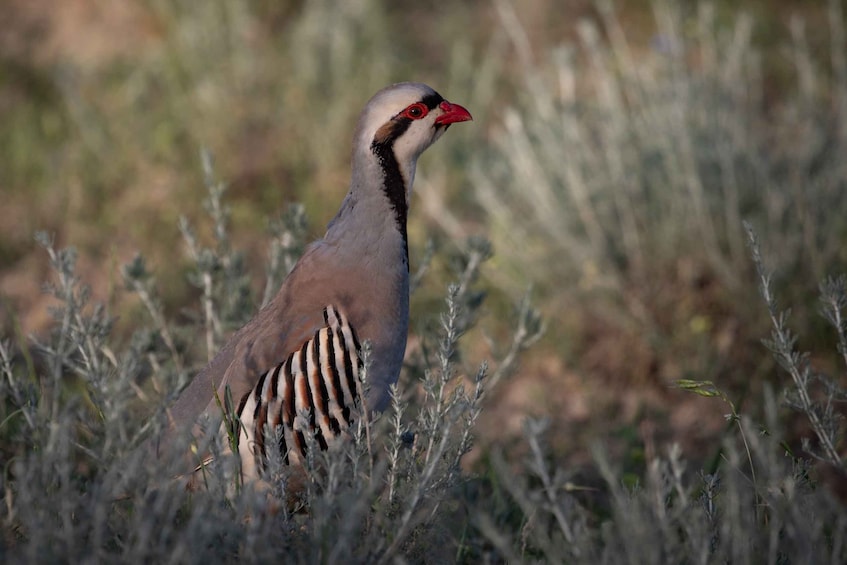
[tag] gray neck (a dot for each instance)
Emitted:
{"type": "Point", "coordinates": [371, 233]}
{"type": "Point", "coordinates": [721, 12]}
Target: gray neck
{"type": "Point", "coordinates": [374, 213]}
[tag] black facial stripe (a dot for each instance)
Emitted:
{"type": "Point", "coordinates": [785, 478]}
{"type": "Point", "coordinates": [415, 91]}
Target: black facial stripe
{"type": "Point", "coordinates": [395, 186]}
{"type": "Point", "coordinates": [431, 101]}
{"type": "Point", "coordinates": [401, 122]}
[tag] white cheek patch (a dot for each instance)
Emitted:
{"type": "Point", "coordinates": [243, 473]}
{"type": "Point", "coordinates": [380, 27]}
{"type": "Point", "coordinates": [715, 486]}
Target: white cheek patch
{"type": "Point", "coordinates": [411, 144]}
{"type": "Point", "coordinates": [415, 139]}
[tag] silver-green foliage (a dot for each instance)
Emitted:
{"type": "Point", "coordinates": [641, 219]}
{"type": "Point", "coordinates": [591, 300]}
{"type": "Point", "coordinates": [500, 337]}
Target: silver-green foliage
{"type": "Point", "coordinates": [616, 157]}
{"type": "Point", "coordinates": [76, 408]}
{"type": "Point", "coordinates": [76, 488]}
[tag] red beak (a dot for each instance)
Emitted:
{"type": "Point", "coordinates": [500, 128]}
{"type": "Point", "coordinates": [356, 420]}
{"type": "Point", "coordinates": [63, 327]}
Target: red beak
{"type": "Point", "coordinates": [452, 113]}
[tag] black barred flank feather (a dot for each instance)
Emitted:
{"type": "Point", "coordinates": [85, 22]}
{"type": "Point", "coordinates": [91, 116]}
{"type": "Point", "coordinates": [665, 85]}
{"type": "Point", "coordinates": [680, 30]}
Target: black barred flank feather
{"type": "Point", "coordinates": [321, 378]}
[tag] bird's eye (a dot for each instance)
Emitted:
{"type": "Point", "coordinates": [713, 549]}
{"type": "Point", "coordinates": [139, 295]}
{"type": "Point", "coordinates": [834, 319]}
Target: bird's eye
{"type": "Point", "coordinates": [415, 111]}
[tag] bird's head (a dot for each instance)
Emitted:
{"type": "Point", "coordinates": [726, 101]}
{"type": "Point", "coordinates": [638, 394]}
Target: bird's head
{"type": "Point", "coordinates": [401, 121]}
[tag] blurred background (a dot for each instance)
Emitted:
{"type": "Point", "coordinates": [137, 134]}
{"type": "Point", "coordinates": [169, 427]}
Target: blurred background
{"type": "Point", "coordinates": [615, 150]}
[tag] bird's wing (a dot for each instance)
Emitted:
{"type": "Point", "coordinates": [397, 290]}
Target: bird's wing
{"type": "Point", "coordinates": [280, 328]}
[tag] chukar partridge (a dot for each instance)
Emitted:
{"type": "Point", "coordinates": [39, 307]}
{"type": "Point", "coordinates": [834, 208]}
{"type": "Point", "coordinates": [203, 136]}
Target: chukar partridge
{"type": "Point", "coordinates": [300, 353]}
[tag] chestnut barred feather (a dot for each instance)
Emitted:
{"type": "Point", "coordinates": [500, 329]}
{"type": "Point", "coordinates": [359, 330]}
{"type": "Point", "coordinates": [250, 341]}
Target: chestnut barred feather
{"type": "Point", "coordinates": [319, 379]}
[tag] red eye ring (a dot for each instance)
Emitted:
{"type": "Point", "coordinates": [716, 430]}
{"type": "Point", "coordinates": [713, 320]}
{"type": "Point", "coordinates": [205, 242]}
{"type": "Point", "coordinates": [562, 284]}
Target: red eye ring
{"type": "Point", "coordinates": [416, 111]}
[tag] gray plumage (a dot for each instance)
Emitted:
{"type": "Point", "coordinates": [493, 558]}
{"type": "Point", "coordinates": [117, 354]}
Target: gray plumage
{"type": "Point", "coordinates": [355, 277]}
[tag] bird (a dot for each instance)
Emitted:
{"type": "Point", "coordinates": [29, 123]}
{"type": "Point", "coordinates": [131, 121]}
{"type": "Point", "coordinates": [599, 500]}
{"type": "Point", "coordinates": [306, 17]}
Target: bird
{"type": "Point", "coordinates": [302, 352]}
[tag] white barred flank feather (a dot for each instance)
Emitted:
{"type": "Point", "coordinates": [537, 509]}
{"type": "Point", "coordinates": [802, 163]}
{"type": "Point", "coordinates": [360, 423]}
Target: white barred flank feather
{"type": "Point", "coordinates": [319, 379]}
